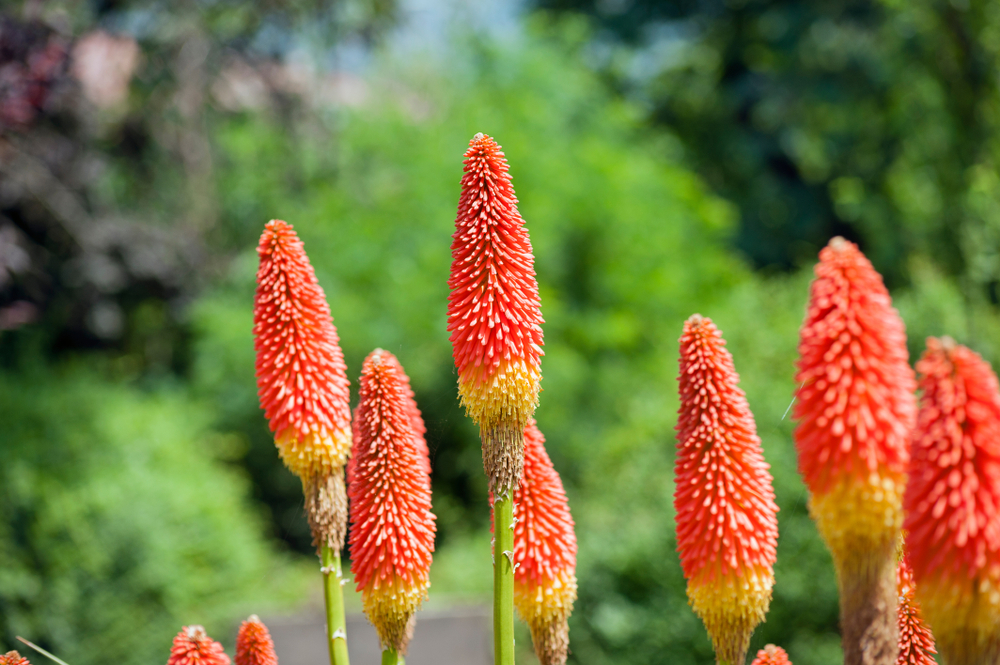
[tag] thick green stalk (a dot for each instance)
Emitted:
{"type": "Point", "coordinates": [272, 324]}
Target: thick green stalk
{"type": "Point", "coordinates": [391, 657]}
{"type": "Point", "coordinates": [333, 594]}
{"type": "Point", "coordinates": [503, 580]}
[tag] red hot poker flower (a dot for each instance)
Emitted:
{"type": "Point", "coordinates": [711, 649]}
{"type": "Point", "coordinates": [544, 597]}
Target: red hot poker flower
{"type": "Point", "coordinates": [916, 643]}
{"type": "Point", "coordinates": [855, 409]}
{"type": "Point", "coordinates": [494, 314]}
{"type": "Point", "coordinates": [301, 376]}
{"type": "Point", "coordinates": [771, 655]}
{"type": "Point", "coordinates": [544, 551]}
{"type": "Point", "coordinates": [727, 528]}
{"type": "Point", "coordinates": [392, 527]}
{"type": "Point", "coordinates": [193, 646]}
{"type": "Point", "coordinates": [13, 658]}
{"type": "Point", "coordinates": [952, 502]}
{"type": "Point", "coordinates": [254, 645]}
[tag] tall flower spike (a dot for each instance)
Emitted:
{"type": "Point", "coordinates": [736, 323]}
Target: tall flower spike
{"type": "Point", "coordinates": [301, 378]}
{"type": "Point", "coordinates": [545, 552]}
{"type": "Point", "coordinates": [392, 527]}
{"type": "Point", "coordinates": [916, 643]}
{"type": "Point", "coordinates": [193, 646]}
{"type": "Point", "coordinates": [727, 527]}
{"type": "Point", "coordinates": [494, 314]}
{"type": "Point", "coordinates": [952, 503]}
{"type": "Point", "coordinates": [254, 645]}
{"type": "Point", "coordinates": [771, 655]}
{"type": "Point", "coordinates": [855, 409]}
{"type": "Point", "coordinates": [13, 658]}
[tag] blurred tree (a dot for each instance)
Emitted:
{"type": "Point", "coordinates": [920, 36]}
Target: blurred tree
{"type": "Point", "coordinates": [108, 206]}
{"type": "Point", "coordinates": [875, 120]}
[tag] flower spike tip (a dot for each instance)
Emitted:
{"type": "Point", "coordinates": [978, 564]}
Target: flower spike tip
{"type": "Point", "coordinates": [855, 408]}
{"type": "Point", "coordinates": [302, 380]}
{"type": "Point", "coordinates": [494, 314]}
{"type": "Point", "coordinates": [916, 643]}
{"type": "Point", "coordinates": [392, 527]}
{"type": "Point", "coordinates": [953, 503]}
{"type": "Point", "coordinates": [727, 527]}
{"type": "Point", "coordinates": [254, 645]}
{"type": "Point", "coordinates": [771, 655]}
{"type": "Point", "coordinates": [193, 646]}
{"type": "Point", "coordinates": [13, 658]}
{"type": "Point", "coordinates": [544, 552]}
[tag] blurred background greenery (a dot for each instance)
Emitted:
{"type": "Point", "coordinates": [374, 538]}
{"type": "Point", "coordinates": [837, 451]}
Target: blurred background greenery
{"type": "Point", "coordinates": [669, 157]}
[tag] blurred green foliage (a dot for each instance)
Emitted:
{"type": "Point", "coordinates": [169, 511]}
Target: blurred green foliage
{"type": "Point", "coordinates": [872, 119]}
{"type": "Point", "coordinates": [123, 482]}
{"type": "Point", "coordinates": [119, 526]}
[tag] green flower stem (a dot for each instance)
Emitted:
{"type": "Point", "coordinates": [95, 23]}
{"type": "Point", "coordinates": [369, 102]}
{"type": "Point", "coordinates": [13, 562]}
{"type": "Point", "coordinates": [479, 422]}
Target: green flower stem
{"type": "Point", "coordinates": [333, 594]}
{"type": "Point", "coordinates": [503, 580]}
{"type": "Point", "coordinates": [391, 657]}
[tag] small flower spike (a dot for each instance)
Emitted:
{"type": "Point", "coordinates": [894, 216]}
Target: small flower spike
{"type": "Point", "coordinates": [855, 408]}
{"type": "Point", "coordinates": [771, 655]}
{"type": "Point", "coordinates": [916, 643]}
{"type": "Point", "coordinates": [392, 527]}
{"type": "Point", "coordinates": [494, 314]}
{"type": "Point", "coordinates": [301, 378]}
{"type": "Point", "coordinates": [254, 645]}
{"type": "Point", "coordinates": [13, 658]}
{"type": "Point", "coordinates": [193, 646]}
{"type": "Point", "coordinates": [727, 527]}
{"type": "Point", "coordinates": [952, 503]}
{"type": "Point", "coordinates": [544, 552]}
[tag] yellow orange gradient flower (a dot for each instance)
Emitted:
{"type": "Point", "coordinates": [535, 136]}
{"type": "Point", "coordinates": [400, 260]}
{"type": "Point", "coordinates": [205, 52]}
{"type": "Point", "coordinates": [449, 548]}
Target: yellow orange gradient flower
{"type": "Point", "coordinates": [301, 377]}
{"type": "Point", "coordinates": [953, 503]}
{"type": "Point", "coordinates": [855, 409]}
{"type": "Point", "coordinates": [544, 552]}
{"type": "Point", "coordinates": [392, 527]}
{"type": "Point", "coordinates": [494, 314]}
{"type": "Point", "coordinates": [727, 527]}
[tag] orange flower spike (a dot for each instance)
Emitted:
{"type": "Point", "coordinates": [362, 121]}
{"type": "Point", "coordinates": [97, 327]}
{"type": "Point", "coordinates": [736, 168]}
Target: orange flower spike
{"type": "Point", "coordinates": [494, 314]}
{"type": "Point", "coordinates": [916, 643]}
{"type": "Point", "coordinates": [855, 409]}
{"type": "Point", "coordinates": [727, 527]}
{"type": "Point", "coordinates": [193, 646]}
{"type": "Point", "coordinates": [301, 377]}
{"type": "Point", "coordinates": [392, 527]}
{"type": "Point", "coordinates": [13, 658]}
{"type": "Point", "coordinates": [952, 503]}
{"type": "Point", "coordinates": [254, 645]}
{"type": "Point", "coordinates": [771, 655]}
{"type": "Point", "coordinates": [545, 552]}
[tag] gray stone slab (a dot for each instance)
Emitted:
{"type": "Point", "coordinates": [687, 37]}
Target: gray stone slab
{"type": "Point", "coordinates": [459, 635]}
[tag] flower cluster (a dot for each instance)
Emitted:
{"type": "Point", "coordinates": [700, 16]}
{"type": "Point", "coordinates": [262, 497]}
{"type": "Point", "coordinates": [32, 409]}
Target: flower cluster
{"type": "Point", "coordinates": [494, 314]}
{"type": "Point", "coordinates": [727, 529]}
{"type": "Point", "coordinates": [302, 380]}
{"type": "Point", "coordinates": [392, 527]}
{"type": "Point", "coordinates": [855, 409]}
{"type": "Point", "coordinates": [545, 552]}
{"type": "Point", "coordinates": [952, 502]}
